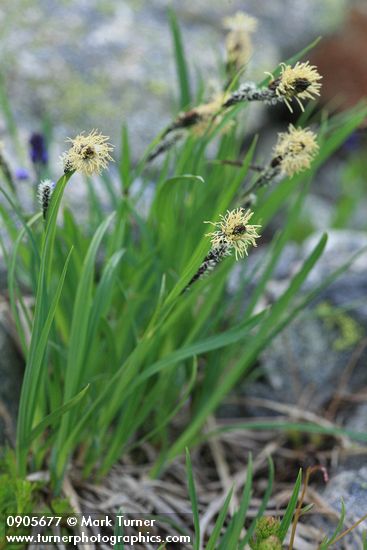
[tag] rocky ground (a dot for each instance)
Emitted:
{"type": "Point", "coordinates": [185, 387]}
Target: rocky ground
{"type": "Point", "coordinates": [78, 64]}
{"type": "Point", "coordinates": [315, 370]}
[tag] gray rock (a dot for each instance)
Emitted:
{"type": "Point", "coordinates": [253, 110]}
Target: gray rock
{"type": "Point", "coordinates": [305, 362]}
{"type": "Point", "coordinates": [11, 375]}
{"type": "Point", "coordinates": [357, 421]}
{"type": "Point", "coordinates": [351, 486]}
{"type": "Point", "coordinates": [99, 63]}
{"type": "Point", "coordinates": [319, 212]}
{"type": "Point", "coordinates": [342, 244]}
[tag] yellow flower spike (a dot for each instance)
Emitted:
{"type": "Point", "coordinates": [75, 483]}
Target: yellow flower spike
{"type": "Point", "coordinates": [88, 154]}
{"type": "Point", "coordinates": [208, 114]}
{"type": "Point", "coordinates": [239, 50]}
{"type": "Point", "coordinates": [300, 82]}
{"type": "Point", "coordinates": [235, 232]}
{"type": "Point", "coordinates": [240, 21]}
{"type": "Point", "coordinates": [295, 150]}
{"type": "Point", "coordinates": [238, 41]}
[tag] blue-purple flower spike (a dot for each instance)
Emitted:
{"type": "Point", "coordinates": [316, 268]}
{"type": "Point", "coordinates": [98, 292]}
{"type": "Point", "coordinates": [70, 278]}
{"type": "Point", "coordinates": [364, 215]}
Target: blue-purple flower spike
{"type": "Point", "coordinates": [21, 174]}
{"type": "Point", "coordinates": [38, 149]}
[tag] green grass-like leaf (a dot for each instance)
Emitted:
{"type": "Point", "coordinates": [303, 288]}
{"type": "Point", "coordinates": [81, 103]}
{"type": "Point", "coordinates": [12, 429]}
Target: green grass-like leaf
{"type": "Point", "coordinates": [327, 542]}
{"type": "Point", "coordinates": [193, 499]}
{"type": "Point", "coordinates": [41, 326]}
{"type": "Point", "coordinates": [180, 58]}
{"type": "Point", "coordinates": [118, 532]}
{"type": "Point", "coordinates": [292, 505]}
{"type": "Point", "coordinates": [215, 535]}
{"type": "Point", "coordinates": [233, 531]}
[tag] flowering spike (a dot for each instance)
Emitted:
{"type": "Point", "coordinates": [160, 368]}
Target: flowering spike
{"type": "Point", "coordinates": [238, 41]}
{"type": "Point", "coordinates": [292, 154]}
{"type": "Point", "coordinates": [211, 260]}
{"type": "Point", "coordinates": [300, 82]}
{"type": "Point", "coordinates": [199, 119]}
{"type": "Point", "coordinates": [235, 232]}
{"type": "Point", "coordinates": [208, 114]}
{"type": "Point", "coordinates": [240, 21]}
{"type": "Point", "coordinates": [88, 154]}
{"type": "Point", "coordinates": [266, 535]}
{"type": "Point", "coordinates": [249, 91]}
{"type": "Point", "coordinates": [165, 145]}
{"type": "Point", "coordinates": [44, 192]}
{"type": "Point", "coordinates": [21, 174]}
{"type": "Point", "coordinates": [295, 150]}
{"type": "Point", "coordinates": [271, 543]}
{"type": "Point", "coordinates": [38, 149]}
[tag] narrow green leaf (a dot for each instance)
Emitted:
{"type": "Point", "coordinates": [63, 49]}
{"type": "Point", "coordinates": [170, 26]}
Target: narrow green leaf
{"type": "Point", "coordinates": [78, 336]}
{"type": "Point", "coordinates": [292, 505]}
{"type": "Point", "coordinates": [193, 499]}
{"type": "Point", "coordinates": [214, 537]}
{"type": "Point", "coordinates": [327, 542]}
{"type": "Point", "coordinates": [118, 532]}
{"type": "Point", "coordinates": [181, 66]}
{"type": "Point", "coordinates": [253, 348]}
{"type": "Point", "coordinates": [233, 534]}
{"type": "Point", "coordinates": [56, 415]}
{"type": "Point", "coordinates": [125, 161]}
{"type": "Point", "coordinates": [13, 293]}
{"type": "Point", "coordinates": [34, 362]}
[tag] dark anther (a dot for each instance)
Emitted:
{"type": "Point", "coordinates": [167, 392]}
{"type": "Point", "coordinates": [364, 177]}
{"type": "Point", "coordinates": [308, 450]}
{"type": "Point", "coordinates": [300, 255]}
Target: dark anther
{"type": "Point", "coordinates": [239, 229]}
{"type": "Point", "coordinates": [184, 121]}
{"type": "Point", "coordinates": [231, 101]}
{"type": "Point", "coordinates": [88, 152]}
{"type": "Point", "coordinates": [276, 161]}
{"type": "Point", "coordinates": [274, 84]}
{"type": "Point", "coordinates": [189, 118]}
{"type": "Point", "coordinates": [301, 84]}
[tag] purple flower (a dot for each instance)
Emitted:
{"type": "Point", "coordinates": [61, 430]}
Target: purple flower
{"type": "Point", "coordinates": [38, 149]}
{"type": "Point", "coordinates": [352, 143]}
{"type": "Point", "coordinates": [21, 174]}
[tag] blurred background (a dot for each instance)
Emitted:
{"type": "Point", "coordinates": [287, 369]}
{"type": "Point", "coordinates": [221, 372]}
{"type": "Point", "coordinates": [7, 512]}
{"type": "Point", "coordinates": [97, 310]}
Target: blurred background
{"type": "Point", "coordinates": [76, 64]}
{"type": "Point", "coordinates": [68, 66]}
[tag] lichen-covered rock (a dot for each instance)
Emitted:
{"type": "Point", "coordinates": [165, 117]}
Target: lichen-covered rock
{"type": "Point", "coordinates": [308, 358]}
{"type": "Point", "coordinates": [306, 361]}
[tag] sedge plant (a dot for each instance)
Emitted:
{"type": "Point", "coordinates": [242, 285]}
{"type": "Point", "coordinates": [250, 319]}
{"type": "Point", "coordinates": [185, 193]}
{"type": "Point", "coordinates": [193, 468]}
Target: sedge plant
{"type": "Point", "coordinates": [132, 320]}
